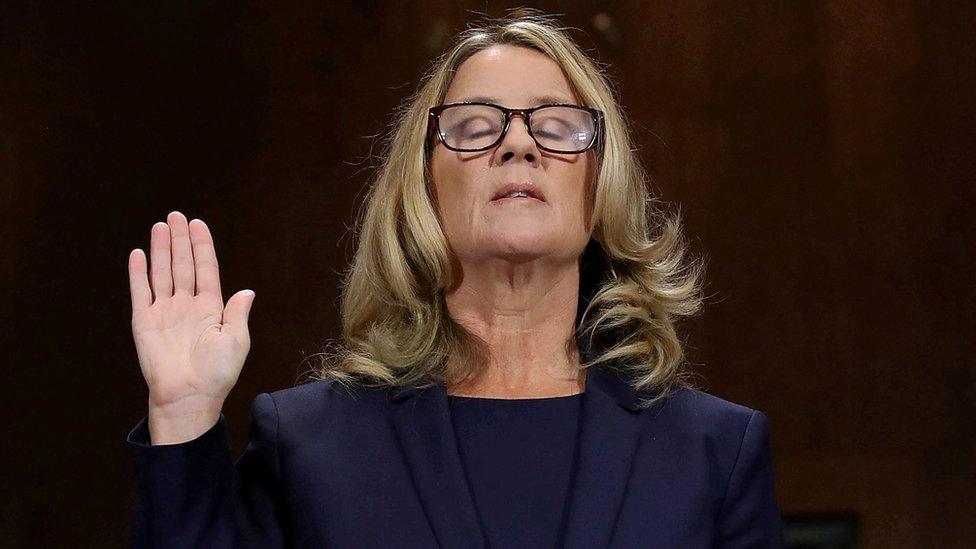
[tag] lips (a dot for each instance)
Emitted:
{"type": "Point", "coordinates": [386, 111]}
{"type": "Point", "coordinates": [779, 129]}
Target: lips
{"type": "Point", "coordinates": [525, 187]}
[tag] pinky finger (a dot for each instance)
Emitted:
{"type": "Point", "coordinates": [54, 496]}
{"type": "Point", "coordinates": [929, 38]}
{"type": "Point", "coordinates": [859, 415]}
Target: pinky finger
{"type": "Point", "coordinates": [138, 281]}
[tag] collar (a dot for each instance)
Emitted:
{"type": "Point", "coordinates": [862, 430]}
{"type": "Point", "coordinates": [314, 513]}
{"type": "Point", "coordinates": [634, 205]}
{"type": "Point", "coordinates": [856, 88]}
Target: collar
{"type": "Point", "coordinates": [600, 377]}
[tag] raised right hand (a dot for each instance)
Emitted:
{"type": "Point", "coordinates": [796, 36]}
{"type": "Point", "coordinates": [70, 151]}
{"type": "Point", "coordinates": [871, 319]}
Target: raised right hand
{"type": "Point", "coordinates": [191, 347]}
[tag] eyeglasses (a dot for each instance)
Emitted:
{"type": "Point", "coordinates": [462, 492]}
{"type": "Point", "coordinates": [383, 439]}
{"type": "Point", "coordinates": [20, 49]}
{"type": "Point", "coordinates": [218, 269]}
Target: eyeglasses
{"type": "Point", "coordinates": [476, 126]}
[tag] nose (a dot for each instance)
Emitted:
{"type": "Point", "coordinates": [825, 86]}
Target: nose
{"type": "Point", "coordinates": [517, 142]}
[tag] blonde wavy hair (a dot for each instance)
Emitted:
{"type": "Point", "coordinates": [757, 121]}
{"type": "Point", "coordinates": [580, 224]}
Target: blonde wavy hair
{"type": "Point", "coordinates": [634, 281]}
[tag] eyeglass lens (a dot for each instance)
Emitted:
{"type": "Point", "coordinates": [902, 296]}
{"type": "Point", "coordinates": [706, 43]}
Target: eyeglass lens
{"type": "Point", "coordinates": [558, 128]}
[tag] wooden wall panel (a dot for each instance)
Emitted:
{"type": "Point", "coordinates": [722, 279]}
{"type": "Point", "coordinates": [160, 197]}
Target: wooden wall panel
{"type": "Point", "coordinates": [820, 153]}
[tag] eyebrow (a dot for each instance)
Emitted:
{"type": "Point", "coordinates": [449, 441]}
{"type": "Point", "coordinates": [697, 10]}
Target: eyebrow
{"type": "Point", "coordinates": [537, 100]}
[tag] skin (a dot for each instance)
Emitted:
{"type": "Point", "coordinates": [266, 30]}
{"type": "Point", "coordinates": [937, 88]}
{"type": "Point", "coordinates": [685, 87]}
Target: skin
{"type": "Point", "coordinates": [519, 258]}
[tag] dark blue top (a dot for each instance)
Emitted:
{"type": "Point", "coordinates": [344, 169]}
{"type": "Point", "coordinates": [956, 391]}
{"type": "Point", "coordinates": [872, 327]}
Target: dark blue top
{"type": "Point", "coordinates": [518, 456]}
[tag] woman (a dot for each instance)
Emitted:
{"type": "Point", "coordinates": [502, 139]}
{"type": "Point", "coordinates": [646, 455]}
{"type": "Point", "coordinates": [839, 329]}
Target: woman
{"type": "Point", "coordinates": [510, 373]}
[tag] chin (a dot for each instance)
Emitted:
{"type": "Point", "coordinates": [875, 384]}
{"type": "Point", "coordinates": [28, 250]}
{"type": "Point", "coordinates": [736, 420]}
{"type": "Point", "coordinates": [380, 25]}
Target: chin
{"type": "Point", "coordinates": [520, 249]}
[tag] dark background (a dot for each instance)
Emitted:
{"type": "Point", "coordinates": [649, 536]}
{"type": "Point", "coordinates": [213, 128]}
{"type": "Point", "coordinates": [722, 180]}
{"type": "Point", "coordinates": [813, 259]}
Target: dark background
{"type": "Point", "coordinates": [821, 153]}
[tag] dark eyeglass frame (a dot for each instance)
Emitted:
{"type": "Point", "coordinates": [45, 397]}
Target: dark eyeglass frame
{"type": "Point", "coordinates": [434, 126]}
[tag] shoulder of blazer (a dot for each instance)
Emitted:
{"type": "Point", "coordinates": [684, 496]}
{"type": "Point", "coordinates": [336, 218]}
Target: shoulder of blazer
{"type": "Point", "coordinates": [322, 399]}
{"type": "Point", "coordinates": [688, 410]}
{"type": "Point", "coordinates": [696, 411]}
{"type": "Point", "coordinates": [316, 390]}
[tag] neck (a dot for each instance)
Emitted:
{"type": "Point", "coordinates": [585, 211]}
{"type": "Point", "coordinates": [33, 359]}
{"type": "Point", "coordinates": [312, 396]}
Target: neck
{"type": "Point", "coordinates": [526, 314]}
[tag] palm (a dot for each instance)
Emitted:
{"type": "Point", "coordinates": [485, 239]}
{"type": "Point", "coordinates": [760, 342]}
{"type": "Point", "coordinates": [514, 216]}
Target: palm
{"type": "Point", "coordinates": [191, 348]}
{"type": "Point", "coordinates": [185, 351]}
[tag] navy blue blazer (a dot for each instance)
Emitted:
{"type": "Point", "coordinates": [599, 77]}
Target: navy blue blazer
{"type": "Point", "coordinates": [329, 467]}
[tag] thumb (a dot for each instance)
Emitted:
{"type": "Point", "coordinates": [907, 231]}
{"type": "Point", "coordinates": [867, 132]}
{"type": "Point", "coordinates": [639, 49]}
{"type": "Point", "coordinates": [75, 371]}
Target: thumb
{"type": "Point", "coordinates": [236, 314]}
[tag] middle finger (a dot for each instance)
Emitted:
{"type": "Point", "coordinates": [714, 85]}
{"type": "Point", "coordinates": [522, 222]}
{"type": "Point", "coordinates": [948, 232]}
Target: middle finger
{"type": "Point", "coordinates": [183, 277]}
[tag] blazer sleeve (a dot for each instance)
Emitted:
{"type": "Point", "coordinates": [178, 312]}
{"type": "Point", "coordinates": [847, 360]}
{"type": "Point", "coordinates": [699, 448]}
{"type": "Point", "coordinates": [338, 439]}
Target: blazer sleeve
{"type": "Point", "coordinates": [191, 494]}
{"type": "Point", "coordinates": [750, 516]}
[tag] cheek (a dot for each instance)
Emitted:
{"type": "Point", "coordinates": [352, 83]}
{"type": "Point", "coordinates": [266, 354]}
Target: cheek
{"type": "Point", "coordinates": [442, 177]}
{"type": "Point", "coordinates": [578, 189]}
{"type": "Point", "coordinates": [456, 185]}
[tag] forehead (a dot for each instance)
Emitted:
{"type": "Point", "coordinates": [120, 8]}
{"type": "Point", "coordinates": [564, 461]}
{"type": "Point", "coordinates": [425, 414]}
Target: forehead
{"type": "Point", "coordinates": [511, 76]}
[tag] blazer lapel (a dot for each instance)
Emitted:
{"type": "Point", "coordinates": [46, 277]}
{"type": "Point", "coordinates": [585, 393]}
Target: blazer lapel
{"type": "Point", "coordinates": [426, 432]}
{"type": "Point", "coordinates": [608, 440]}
